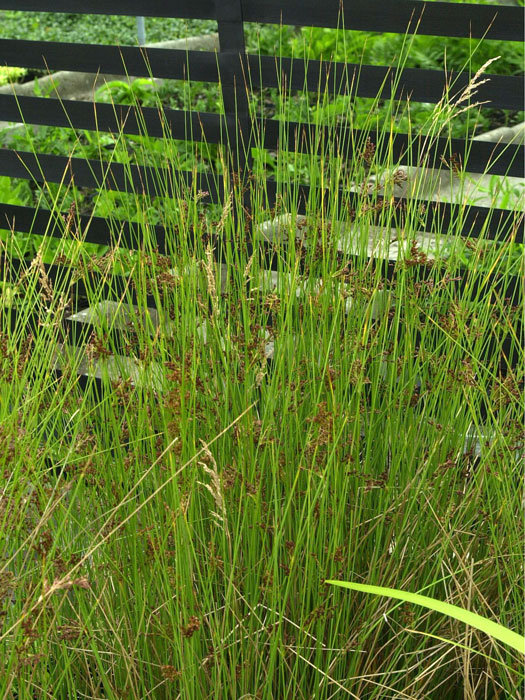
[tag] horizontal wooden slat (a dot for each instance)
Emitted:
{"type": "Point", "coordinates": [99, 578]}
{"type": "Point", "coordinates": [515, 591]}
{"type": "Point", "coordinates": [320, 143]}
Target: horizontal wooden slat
{"type": "Point", "coordinates": [508, 286]}
{"type": "Point", "coordinates": [500, 91]}
{"type": "Point", "coordinates": [109, 287]}
{"type": "Point", "coordinates": [437, 216]}
{"type": "Point", "coordinates": [93, 229]}
{"type": "Point", "coordinates": [90, 173]}
{"type": "Point", "coordinates": [197, 9]}
{"type": "Point", "coordinates": [439, 18]}
{"type": "Point", "coordinates": [179, 124]}
{"type": "Point", "coordinates": [484, 157]}
{"type": "Point", "coordinates": [98, 230]}
{"type": "Point", "coordinates": [112, 176]}
{"type": "Point", "coordinates": [470, 284]}
{"type": "Point", "coordinates": [176, 64]}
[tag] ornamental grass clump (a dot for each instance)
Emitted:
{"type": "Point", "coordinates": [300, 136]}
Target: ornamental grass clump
{"type": "Point", "coordinates": [168, 527]}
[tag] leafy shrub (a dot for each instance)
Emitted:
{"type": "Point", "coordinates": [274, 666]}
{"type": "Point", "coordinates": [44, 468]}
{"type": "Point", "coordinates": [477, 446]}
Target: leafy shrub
{"type": "Point", "coordinates": [10, 74]}
{"type": "Point", "coordinates": [95, 29]}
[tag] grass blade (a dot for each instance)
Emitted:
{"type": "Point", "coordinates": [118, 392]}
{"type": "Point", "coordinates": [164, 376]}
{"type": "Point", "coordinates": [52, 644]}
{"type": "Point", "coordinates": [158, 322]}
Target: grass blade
{"type": "Point", "coordinates": [493, 629]}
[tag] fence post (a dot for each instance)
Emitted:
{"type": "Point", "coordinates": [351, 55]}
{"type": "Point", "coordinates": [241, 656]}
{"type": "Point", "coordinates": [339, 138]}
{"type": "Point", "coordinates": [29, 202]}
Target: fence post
{"type": "Point", "coordinates": [232, 66]}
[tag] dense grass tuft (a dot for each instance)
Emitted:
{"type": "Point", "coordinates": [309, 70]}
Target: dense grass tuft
{"type": "Point", "coordinates": [169, 533]}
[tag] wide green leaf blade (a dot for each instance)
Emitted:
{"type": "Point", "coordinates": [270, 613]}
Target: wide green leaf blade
{"type": "Point", "coordinates": [514, 640]}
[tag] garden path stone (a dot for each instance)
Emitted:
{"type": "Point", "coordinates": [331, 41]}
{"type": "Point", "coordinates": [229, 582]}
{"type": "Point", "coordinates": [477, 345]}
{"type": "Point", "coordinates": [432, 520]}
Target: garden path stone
{"type": "Point", "coordinates": [440, 186]}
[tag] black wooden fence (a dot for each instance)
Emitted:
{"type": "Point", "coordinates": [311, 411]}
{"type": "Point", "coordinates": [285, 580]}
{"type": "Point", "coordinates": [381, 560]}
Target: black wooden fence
{"type": "Point", "coordinates": [232, 64]}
